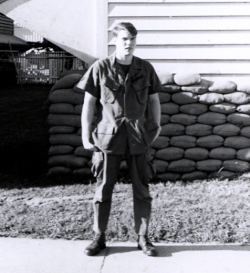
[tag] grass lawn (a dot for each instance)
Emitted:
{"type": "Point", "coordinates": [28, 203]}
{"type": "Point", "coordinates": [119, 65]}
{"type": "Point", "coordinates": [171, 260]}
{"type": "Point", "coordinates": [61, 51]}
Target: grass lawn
{"type": "Point", "coordinates": [33, 205]}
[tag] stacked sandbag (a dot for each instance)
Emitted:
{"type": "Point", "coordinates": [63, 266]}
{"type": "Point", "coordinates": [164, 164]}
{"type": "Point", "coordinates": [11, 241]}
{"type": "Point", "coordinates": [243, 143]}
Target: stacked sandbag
{"type": "Point", "coordinates": [205, 129]}
{"type": "Point", "coordinates": [66, 153]}
{"type": "Point", "coordinates": [208, 130]}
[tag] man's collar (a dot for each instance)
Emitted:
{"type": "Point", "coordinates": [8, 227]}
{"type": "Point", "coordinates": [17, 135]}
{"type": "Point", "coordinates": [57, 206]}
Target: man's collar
{"type": "Point", "coordinates": [136, 64]}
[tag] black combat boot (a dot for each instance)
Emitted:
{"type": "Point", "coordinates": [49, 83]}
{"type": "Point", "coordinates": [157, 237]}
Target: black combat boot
{"type": "Point", "coordinates": [146, 246]}
{"type": "Point", "coordinates": [99, 243]}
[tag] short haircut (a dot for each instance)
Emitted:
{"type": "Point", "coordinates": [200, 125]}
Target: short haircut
{"type": "Point", "coordinates": [124, 26]}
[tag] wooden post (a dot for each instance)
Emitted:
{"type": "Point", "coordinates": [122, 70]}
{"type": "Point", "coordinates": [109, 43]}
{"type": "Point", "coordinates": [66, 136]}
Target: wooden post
{"type": "Point", "coordinates": [17, 72]}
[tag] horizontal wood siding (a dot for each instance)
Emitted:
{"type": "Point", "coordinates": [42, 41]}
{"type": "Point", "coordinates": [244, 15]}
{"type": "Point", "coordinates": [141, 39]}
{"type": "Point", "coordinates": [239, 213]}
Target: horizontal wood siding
{"type": "Point", "coordinates": [26, 35]}
{"type": "Point", "coordinates": [211, 38]}
{"type": "Point", "coordinates": [6, 25]}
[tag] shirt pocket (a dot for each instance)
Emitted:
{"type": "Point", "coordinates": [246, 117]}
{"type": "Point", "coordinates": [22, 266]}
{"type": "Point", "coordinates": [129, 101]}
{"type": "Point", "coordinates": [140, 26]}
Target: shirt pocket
{"type": "Point", "coordinates": [141, 89]}
{"type": "Point", "coordinates": [110, 89]}
{"type": "Point", "coordinates": [103, 135]}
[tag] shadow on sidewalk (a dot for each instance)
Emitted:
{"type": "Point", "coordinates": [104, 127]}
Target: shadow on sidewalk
{"type": "Point", "coordinates": [168, 250]}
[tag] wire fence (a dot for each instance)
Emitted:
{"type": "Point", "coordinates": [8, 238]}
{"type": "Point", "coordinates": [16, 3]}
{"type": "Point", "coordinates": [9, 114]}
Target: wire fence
{"type": "Point", "coordinates": [44, 67]}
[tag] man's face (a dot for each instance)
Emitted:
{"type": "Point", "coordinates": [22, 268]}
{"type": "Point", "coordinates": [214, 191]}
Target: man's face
{"type": "Point", "coordinates": [125, 43]}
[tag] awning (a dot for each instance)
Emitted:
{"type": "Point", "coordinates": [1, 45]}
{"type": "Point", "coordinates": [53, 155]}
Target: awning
{"type": "Point", "coordinates": [15, 42]}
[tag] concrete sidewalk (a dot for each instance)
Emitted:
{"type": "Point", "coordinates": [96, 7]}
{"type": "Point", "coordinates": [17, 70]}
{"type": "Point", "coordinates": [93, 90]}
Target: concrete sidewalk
{"type": "Point", "coordinates": [61, 256]}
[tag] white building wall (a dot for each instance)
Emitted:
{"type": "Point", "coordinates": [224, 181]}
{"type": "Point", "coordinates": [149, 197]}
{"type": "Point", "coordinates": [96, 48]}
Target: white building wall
{"type": "Point", "coordinates": [211, 38]}
{"type": "Point", "coordinates": [26, 34]}
{"type": "Point", "coordinates": [78, 26]}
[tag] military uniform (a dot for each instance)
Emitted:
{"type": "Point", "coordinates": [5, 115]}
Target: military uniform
{"type": "Point", "coordinates": [123, 127]}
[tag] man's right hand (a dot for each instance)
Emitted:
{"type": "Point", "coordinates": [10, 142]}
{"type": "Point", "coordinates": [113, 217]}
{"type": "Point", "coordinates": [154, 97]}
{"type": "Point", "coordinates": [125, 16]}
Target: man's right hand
{"type": "Point", "coordinates": [89, 146]}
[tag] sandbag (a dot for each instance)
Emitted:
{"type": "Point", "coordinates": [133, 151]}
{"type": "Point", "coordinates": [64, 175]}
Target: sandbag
{"type": "Point", "coordinates": [182, 166]}
{"type": "Point", "coordinates": [183, 119]}
{"type": "Point", "coordinates": [65, 119]}
{"type": "Point", "coordinates": [171, 88]}
{"type": "Point", "coordinates": [199, 130]}
{"type": "Point", "coordinates": [187, 79]}
{"type": "Point", "coordinates": [244, 86]}
{"type": "Point", "coordinates": [60, 150]}
{"type": "Point", "coordinates": [245, 131]}
{"type": "Point", "coordinates": [85, 172]}
{"type": "Point", "coordinates": [237, 142]}
{"type": "Point", "coordinates": [243, 154]}
{"type": "Point", "coordinates": [59, 170]}
{"type": "Point", "coordinates": [170, 108]}
{"type": "Point", "coordinates": [223, 86]}
{"type": "Point", "coordinates": [161, 142]}
{"type": "Point", "coordinates": [196, 175]}
{"type": "Point", "coordinates": [194, 109]}
{"type": "Point", "coordinates": [239, 119]}
{"type": "Point", "coordinates": [222, 153]}
{"type": "Point", "coordinates": [70, 161]}
{"type": "Point", "coordinates": [164, 97]}
{"type": "Point", "coordinates": [61, 108]}
{"type": "Point", "coordinates": [66, 72]}
{"type": "Point", "coordinates": [223, 175]}
{"type": "Point", "coordinates": [89, 163]}
{"type": "Point", "coordinates": [224, 108]}
{"type": "Point", "coordinates": [66, 96]}
{"type": "Point", "coordinates": [79, 131]}
{"type": "Point", "coordinates": [78, 109]}
{"type": "Point", "coordinates": [172, 129]}
{"type": "Point", "coordinates": [235, 165]}
{"type": "Point", "coordinates": [209, 165]}
{"type": "Point", "coordinates": [212, 118]}
{"type": "Point", "coordinates": [166, 78]}
{"type": "Point", "coordinates": [80, 151]}
{"type": "Point", "coordinates": [210, 142]}
{"type": "Point", "coordinates": [201, 88]}
{"type": "Point", "coordinates": [211, 98]}
{"type": "Point", "coordinates": [61, 129]}
{"type": "Point", "coordinates": [65, 139]}
{"type": "Point", "coordinates": [243, 108]}
{"type": "Point", "coordinates": [226, 130]}
{"type": "Point", "coordinates": [161, 165]}
{"type": "Point", "coordinates": [168, 176]}
{"type": "Point", "coordinates": [165, 119]}
{"type": "Point", "coordinates": [67, 82]}
{"type": "Point", "coordinates": [196, 153]}
{"type": "Point", "coordinates": [170, 153]}
{"type": "Point", "coordinates": [184, 142]}
{"type": "Point", "coordinates": [184, 97]}
{"type": "Point", "coordinates": [237, 98]}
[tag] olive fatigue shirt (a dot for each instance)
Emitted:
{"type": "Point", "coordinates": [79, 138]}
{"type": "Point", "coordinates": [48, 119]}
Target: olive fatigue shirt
{"type": "Point", "coordinates": [122, 104]}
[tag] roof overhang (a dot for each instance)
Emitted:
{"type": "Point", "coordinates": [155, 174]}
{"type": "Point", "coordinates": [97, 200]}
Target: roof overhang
{"type": "Point", "coordinates": [10, 41]}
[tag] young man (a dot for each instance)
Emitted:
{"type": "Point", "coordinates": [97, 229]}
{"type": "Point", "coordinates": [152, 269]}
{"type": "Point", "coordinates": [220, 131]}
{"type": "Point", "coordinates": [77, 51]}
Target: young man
{"type": "Point", "coordinates": [123, 89]}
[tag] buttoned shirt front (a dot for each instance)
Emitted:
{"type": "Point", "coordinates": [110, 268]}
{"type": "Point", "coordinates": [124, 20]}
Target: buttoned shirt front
{"type": "Point", "coordinates": [122, 104]}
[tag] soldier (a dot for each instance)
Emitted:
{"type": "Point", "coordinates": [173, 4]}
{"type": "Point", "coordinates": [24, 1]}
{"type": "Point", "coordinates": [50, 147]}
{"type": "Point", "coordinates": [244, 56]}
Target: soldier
{"type": "Point", "coordinates": [124, 90]}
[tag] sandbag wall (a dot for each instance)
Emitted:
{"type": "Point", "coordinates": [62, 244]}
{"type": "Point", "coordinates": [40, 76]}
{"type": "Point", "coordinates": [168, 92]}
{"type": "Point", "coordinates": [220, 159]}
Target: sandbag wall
{"type": "Point", "coordinates": [66, 153]}
{"type": "Point", "coordinates": [205, 129]}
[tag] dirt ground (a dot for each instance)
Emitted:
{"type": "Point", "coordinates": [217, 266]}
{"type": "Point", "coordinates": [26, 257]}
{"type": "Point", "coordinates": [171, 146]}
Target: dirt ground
{"type": "Point", "coordinates": [24, 138]}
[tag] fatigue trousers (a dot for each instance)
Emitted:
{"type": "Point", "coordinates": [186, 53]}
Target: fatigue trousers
{"type": "Point", "coordinates": [106, 168]}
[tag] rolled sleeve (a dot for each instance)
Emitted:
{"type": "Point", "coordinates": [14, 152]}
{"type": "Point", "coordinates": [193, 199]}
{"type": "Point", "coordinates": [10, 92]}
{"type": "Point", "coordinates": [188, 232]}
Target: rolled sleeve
{"type": "Point", "coordinates": [155, 84]}
{"type": "Point", "coordinates": [90, 81]}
